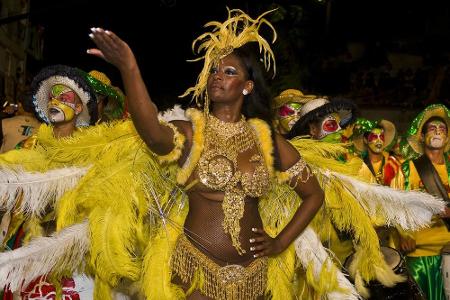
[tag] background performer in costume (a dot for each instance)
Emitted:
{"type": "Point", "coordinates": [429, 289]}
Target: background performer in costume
{"type": "Point", "coordinates": [373, 142]}
{"type": "Point", "coordinates": [286, 109]}
{"type": "Point", "coordinates": [63, 97]}
{"type": "Point", "coordinates": [428, 137]}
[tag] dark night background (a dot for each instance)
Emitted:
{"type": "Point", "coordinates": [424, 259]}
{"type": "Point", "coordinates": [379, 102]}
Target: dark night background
{"type": "Point", "coordinates": [357, 48]}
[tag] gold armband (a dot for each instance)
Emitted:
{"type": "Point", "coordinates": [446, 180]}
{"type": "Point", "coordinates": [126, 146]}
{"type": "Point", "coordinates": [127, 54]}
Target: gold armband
{"type": "Point", "coordinates": [300, 170]}
{"type": "Point", "coordinates": [178, 142]}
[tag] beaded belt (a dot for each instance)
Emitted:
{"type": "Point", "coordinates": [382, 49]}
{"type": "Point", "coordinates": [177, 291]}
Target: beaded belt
{"type": "Point", "coordinates": [231, 282]}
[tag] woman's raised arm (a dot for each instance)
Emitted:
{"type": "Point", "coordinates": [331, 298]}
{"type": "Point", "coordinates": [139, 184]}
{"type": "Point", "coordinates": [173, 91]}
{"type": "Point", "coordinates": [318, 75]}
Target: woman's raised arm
{"type": "Point", "coordinates": [144, 113]}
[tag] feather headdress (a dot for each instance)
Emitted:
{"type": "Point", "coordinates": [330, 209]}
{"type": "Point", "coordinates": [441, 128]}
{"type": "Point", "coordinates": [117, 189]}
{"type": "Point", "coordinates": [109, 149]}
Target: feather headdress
{"type": "Point", "coordinates": [238, 30]}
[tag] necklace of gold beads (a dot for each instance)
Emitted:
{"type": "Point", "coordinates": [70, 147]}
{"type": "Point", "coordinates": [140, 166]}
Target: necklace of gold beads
{"type": "Point", "coordinates": [218, 168]}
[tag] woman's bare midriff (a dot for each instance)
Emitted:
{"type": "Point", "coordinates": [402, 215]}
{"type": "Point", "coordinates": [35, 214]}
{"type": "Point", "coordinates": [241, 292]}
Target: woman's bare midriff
{"type": "Point", "coordinates": [203, 227]}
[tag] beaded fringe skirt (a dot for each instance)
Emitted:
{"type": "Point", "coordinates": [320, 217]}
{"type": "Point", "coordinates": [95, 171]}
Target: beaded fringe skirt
{"type": "Point", "coordinates": [231, 282]}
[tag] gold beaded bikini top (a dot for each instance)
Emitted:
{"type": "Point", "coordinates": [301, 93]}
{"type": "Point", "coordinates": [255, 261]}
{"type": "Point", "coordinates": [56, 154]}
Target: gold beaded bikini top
{"type": "Point", "coordinates": [218, 169]}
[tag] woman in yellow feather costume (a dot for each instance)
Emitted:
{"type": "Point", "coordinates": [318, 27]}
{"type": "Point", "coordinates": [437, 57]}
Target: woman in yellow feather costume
{"type": "Point", "coordinates": [227, 167]}
{"type": "Point", "coordinates": [218, 208]}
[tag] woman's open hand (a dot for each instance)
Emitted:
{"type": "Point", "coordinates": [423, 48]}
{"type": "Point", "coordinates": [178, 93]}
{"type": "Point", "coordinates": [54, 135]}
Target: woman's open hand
{"type": "Point", "coordinates": [112, 49]}
{"type": "Point", "coordinates": [263, 244]}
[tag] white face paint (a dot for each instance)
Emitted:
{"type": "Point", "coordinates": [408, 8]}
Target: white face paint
{"type": "Point", "coordinates": [436, 135]}
{"type": "Point", "coordinates": [330, 124]}
{"type": "Point", "coordinates": [62, 104]}
{"type": "Point", "coordinates": [55, 113]}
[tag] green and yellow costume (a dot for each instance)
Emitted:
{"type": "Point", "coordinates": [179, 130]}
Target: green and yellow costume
{"type": "Point", "coordinates": [424, 262]}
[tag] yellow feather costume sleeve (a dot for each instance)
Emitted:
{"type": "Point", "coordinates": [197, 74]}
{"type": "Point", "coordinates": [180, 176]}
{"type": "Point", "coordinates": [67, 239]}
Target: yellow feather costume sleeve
{"type": "Point", "coordinates": [110, 195]}
{"type": "Point", "coordinates": [352, 206]}
{"type": "Point", "coordinates": [114, 201]}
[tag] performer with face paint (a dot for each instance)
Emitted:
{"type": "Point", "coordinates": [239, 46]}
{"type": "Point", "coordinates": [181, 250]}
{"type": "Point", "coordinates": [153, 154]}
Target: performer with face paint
{"type": "Point", "coordinates": [64, 99]}
{"type": "Point", "coordinates": [372, 142]}
{"type": "Point", "coordinates": [324, 120]}
{"type": "Point", "coordinates": [64, 104]}
{"type": "Point", "coordinates": [428, 137]}
{"type": "Point", "coordinates": [68, 98]}
{"type": "Point", "coordinates": [286, 108]}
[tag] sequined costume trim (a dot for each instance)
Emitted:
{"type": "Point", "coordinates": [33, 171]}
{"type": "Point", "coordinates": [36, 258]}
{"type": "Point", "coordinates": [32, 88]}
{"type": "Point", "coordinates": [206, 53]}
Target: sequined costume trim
{"type": "Point", "coordinates": [198, 125]}
{"type": "Point", "coordinates": [300, 170]}
{"type": "Point", "coordinates": [231, 282]}
{"type": "Point", "coordinates": [218, 169]}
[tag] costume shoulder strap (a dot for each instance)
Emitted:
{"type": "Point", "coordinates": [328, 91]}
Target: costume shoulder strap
{"type": "Point", "coordinates": [430, 179]}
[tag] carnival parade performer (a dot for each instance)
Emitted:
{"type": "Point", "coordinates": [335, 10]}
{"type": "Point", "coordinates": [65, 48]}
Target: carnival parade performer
{"type": "Point", "coordinates": [373, 142]}
{"type": "Point", "coordinates": [223, 231]}
{"type": "Point", "coordinates": [286, 109]}
{"type": "Point", "coordinates": [429, 171]}
{"type": "Point", "coordinates": [215, 206]}
{"type": "Point", "coordinates": [63, 98]}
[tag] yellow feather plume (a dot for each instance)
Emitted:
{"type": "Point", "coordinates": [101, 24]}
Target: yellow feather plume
{"type": "Point", "coordinates": [238, 30]}
{"type": "Point", "coordinates": [265, 142]}
{"type": "Point", "coordinates": [156, 274]}
{"type": "Point", "coordinates": [324, 155]}
{"type": "Point", "coordinates": [348, 216]}
{"type": "Point", "coordinates": [102, 290]}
